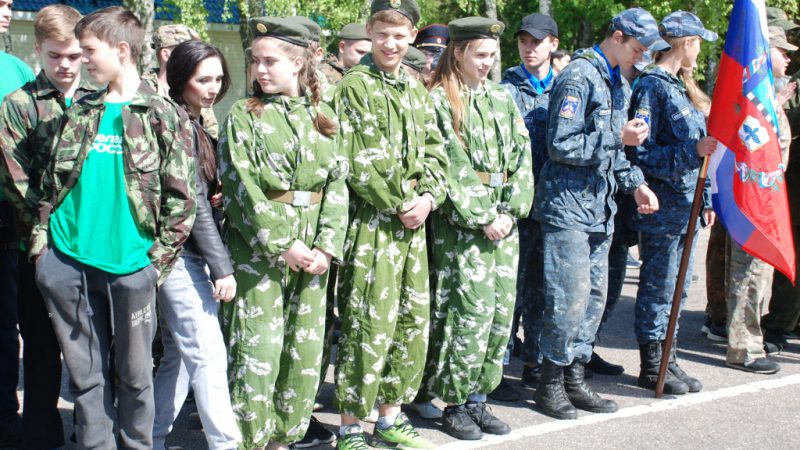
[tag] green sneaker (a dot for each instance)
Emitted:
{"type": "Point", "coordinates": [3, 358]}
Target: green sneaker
{"type": "Point", "coordinates": [353, 439]}
{"type": "Point", "coordinates": [401, 435]}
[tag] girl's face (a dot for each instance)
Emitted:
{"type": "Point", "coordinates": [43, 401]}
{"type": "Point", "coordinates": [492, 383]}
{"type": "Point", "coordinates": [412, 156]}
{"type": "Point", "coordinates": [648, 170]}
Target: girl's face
{"type": "Point", "coordinates": [275, 70]}
{"type": "Point", "coordinates": [477, 60]}
{"type": "Point", "coordinates": [692, 47]}
{"type": "Point", "coordinates": [202, 88]}
{"type": "Point", "coordinates": [780, 61]}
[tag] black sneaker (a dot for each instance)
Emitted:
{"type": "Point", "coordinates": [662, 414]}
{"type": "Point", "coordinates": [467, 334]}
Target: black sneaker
{"type": "Point", "coordinates": [483, 418]}
{"type": "Point", "coordinates": [761, 365]}
{"type": "Point", "coordinates": [714, 332]}
{"type": "Point", "coordinates": [776, 339]}
{"type": "Point", "coordinates": [530, 376]}
{"type": "Point", "coordinates": [11, 433]}
{"type": "Point", "coordinates": [504, 392]}
{"type": "Point", "coordinates": [315, 435]}
{"type": "Point", "coordinates": [457, 422]}
{"type": "Point", "coordinates": [603, 367]}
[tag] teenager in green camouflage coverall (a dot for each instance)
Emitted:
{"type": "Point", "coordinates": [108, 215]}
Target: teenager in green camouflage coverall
{"type": "Point", "coordinates": [475, 241]}
{"type": "Point", "coordinates": [271, 145]}
{"type": "Point", "coordinates": [397, 177]}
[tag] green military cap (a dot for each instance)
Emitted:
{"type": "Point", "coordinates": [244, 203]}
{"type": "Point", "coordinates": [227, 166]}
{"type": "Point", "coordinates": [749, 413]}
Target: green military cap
{"type": "Point", "coordinates": [469, 28]}
{"type": "Point", "coordinates": [248, 55]}
{"type": "Point", "coordinates": [314, 30]}
{"type": "Point", "coordinates": [777, 17]}
{"type": "Point", "coordinates": [172, 35]}
{"type": "Point", "coordinates": [354, 32]}
{"type": "Point", "coordinates": [415, 59]}
{"type": "Point", "coordinates": [408, 8]}
{"type": "Point", "coordinates": [280, 28]}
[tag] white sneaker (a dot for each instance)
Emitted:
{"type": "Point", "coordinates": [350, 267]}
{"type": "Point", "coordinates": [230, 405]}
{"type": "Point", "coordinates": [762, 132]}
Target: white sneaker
{"type": "Point", "coordinates": [426, 410]}
{"type": "Point", "coordinates": [373, 416]}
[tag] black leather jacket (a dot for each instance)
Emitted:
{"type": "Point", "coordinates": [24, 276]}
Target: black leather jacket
{"type": "Point", "coordinates": [205, 240]}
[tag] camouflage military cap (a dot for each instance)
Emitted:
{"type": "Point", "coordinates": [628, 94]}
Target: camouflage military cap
{"type": "Point", "coordinates": [354, 32]}
{"type": "Point", "coordinates": [777, 39]}
{"type": "Point", "coordinates": [639, 24]}
{"type": "Point", "coordinates": [280, 28]}
{"type": "Point", "coordinates": [415, 59]}
{"type": "Point", "coordinates": [777, 17]}
{"type": "Point", "coordinates": [469, 28]}
{"type": "Point", "coordinates": [434, 35]}
{"type": "Point", "coordinates": [683, 24]}
{"type": "Point", "coordinates": [408, 8]}
{"type": "Point", "coordinates": [172, 35]}
{"type": "Point", "coordinates": [314, 30]}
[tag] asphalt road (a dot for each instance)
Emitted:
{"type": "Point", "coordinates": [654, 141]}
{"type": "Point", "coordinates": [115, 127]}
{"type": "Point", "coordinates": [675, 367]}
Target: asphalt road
{"type": "Point", "coordinates": [735, 409]}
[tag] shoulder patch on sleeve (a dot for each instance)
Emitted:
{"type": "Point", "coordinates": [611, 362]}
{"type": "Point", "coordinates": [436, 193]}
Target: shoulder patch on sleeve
{"type": "Point", "coordinates": [569, 107]}
{"type": "Point", "coordinates": [644, 114]}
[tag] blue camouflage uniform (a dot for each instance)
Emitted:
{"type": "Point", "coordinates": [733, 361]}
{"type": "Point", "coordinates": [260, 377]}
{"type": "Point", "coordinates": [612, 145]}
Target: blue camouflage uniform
{"type": "Point", "coordinates": [533, 105]}
{"type": "Point", "coordinates": [574, 200]}
{"type": "Point", "coordinates": [669, 160]}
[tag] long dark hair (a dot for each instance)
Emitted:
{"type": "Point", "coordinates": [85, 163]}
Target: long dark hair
{"type": "Point", "coordinates": [181, 65]}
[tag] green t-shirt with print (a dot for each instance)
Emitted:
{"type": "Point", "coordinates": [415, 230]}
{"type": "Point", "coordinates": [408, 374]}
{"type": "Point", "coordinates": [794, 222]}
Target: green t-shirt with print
{"type": "Point", "coordinates": [95, 224]}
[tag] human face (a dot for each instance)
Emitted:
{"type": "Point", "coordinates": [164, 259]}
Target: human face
{"type": "Point", "coordinates": [389, 44]}
{"type": "Point", "coordinates": [61, 61]}
{"type": "Point", "coordinates": [628, 51]}
{"type": "Point", "coordinates": [203, 86]}
{"type": "Point", "coordinates": [692, 46]}
{"type": "Point", "coordinates": [560, 63]}
{"type": "Point", "coordinates": [102, 61]}
{"type": "Point", "coordinates": [5, 15]}
{"type": "Point", "coordinates": [533, 52]}
{"type": "Point", "coordinates": [780, 61]}
{"type": "Point", "coordinates": [476, 61]}
{"type": "Point", "coordinates": [275, 70]}
{"type": "Point", "coordinates": [351, 52]}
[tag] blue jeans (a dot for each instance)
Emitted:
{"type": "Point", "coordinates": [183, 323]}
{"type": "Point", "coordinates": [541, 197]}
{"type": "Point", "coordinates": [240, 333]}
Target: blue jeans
{"type": "Point", "coordinates": [576, 284]}
{"type": "Point", "coordinates": [194, 353]}
{"type": "Point", "coordinates": [661, 257]}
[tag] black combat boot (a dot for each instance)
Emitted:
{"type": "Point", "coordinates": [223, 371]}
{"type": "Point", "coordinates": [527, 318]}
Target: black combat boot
{"type": "Point", "coordinates": [581, 395]}
{"type": "Point", "coordinates": [694, 384]}
{"type": "Point", "coordinates": [650, 356]}
{"type": "Point", "coordinates": [550, 396]}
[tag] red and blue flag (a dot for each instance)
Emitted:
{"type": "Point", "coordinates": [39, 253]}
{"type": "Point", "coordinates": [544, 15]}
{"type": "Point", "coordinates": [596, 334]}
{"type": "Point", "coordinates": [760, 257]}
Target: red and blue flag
{"type": "Point", "coordinates": [747, 173]}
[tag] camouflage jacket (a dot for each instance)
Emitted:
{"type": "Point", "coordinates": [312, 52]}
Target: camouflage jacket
{"type": "Point", "coordinates": [493, 140]}
{"type": "Point", "coordinates": [389, 133]}
{"type": "Point", "coordinates": [332, 70]}
{"type": "Point", "coordinates": [208, 119]}
{"type": "Point", "coordinates": [159, 169]}
{"type": "Point", "coordinates": [533, 108]}
{"type": "Point", "coordinates": [668, 157]}
{"type": "Point", "coordinates": [29, 120]}
{"type": "Point", "coordinates": [280, 150]}
{"type": "Point", "coordinates": [577, 184]}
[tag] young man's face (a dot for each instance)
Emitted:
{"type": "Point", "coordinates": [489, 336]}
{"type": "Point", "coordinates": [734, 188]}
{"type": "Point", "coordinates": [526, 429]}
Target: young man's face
{"type": "Point", "coordinates": [390, 43]}
{"type": "Point", "coordinates": [102, 61]}
{"type": "Point", "coordinates": [61, 61]}
{"type": "Point", "coordinates": [351, 52]}
{"type": "Point", "coordinates": [628, 51]}
{"type": "Point", "coordinates": [535, 52]}
{"type": "Point", "coordinates": [5, 15]}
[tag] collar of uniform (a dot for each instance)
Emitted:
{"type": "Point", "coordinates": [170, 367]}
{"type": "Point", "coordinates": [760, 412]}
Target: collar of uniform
{"type": "Point", "coordinates": [613, 72]}
{"type": "Point", "coordinates": [288, 102]}
{"type": "Point", "coordinates": [400, 80]}
{"type": "Point", "coordinates": [45, 87]}
{"type": "Point", "coordinates": [654, 70]}
{"type": "Point", "coordinates": [144, 96]}
{"type": "Point", "coordinates": [539, 86]}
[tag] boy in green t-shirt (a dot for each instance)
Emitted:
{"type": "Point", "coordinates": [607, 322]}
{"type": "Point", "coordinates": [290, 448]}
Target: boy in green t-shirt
{"type": "Point", "coordinates": [116, 207]}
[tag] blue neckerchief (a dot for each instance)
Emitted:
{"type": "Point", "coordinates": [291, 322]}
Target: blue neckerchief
{"type": "Point", "coordinates": [612, 71]}
{"type": "Point", "coordinates": [538, 85]}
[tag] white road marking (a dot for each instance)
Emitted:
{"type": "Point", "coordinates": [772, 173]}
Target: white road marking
{"type": "Point", "coordinates": [632, 411]}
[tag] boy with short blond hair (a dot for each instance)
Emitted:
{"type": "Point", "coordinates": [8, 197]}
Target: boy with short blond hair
{"type": "Point", "coordinates": [118, 202]}
{"type": "Point", "coordinates": [396, 180]}
{"type": "Point", "coordinates": [29, 120]}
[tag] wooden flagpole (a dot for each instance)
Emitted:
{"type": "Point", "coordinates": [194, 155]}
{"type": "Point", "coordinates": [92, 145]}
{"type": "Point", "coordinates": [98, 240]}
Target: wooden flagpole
{"type": "Point", "coordinates": [676, 297]}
